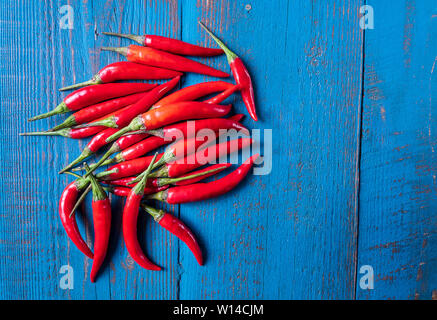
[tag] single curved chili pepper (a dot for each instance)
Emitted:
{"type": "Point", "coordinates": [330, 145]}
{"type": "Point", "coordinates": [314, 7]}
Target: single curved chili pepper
{"type": "Point", "coordinates": [127, 168]}
{"type": "Point", "coordinates": [224, 95]}
{"type": "Point", "coordinates": [99, 110]}
{"type": "Point", "coordinates": [203, 191]}
{"type": "Point", "coordinates": [200, 158]}
{"type": "Point", "coordinates": [194, 92]}
{"type": "Point", "coordinates": [158, 58]}
{"type": "Point", "coordinates": [125, 70]}
{"type": "Point", "coordinates": [124, 191]}
{"type": "Point", "coordinates": [172, 113]}
{"type": "Point", "coordinates": [241, 75]}
{"type": "Point", "coordinates": [130, 218]}
{"type": "Point", "coordinates": [68, 218]}
{"type": "Point", "coordinates": [188, 178]}
{"type": "Point", "coordinates": [177, 228]}
{"type": "Point", "coordinates": [169, 45]}
{"type": "Point", "coordinates": [102, 225]}
{"type": "Point", "coordinates": [122, 117]}
{"type": "Point", "coordinates": [91, 95]}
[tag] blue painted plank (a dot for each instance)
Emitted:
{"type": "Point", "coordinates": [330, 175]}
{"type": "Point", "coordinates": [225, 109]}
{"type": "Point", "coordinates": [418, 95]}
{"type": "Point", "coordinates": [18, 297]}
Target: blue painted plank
{"type": "Point", "coordinates": [398, 198]}
{"type": "Point", "coordinates": [292, 233]}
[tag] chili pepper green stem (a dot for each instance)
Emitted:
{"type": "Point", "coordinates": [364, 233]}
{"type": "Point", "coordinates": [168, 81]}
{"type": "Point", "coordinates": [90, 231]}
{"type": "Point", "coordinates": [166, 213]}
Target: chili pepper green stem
{"type": "Point", "coordinates": [80, 200]}
{"type": "Point", "coordinates": [140, 39]}
{"type": "Point", "coordinates": [108, 122]}
{"type": "Point", "coordinates": [167, 157]}
{"type": "Point", "coordinates": [98, 192]}
{"type": "Point", "coordinates": [85, 154]}
{"type": "Point", "coordinates": [155, 213]}
{"type": "Point", "coordinates": [95, 80]}
{"type": "Point", "coordinates": [73, 174]}
{"type": "Point", "coordinates": [106, 173]}
{"type": "Point", "coordinates": [63, 133]}
{"type": "Point", "coordinates": [136, 124]}
{"type": "Point", "coordinates": [68, 123]}
{"type": "Point", "coordinates": [160, 196]}
{"type": "Point", "coordinates": [229, 54]}
{"type": "Point", "coordinates": [61, 108]}
{"type": "Point", "coordinates": [114, 148]}
{"type": "Point", "coordinates": [122, 50]}
{"type": "Point", "coordinates": [161, 172]}
{"type": "Point", "coordinates": [139, 188]}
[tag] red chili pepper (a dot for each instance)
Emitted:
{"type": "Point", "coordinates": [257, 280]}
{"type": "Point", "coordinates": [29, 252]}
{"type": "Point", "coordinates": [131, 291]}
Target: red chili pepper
{"type": "Point", "coordinates": [124, 191]}
{"type": "Point", "coordinates": [91, 95]}
{"type": "Point", "coordinates": [158, 58]}
{"type": "Point", "coordinates": [122, 117]}
{"type": "Point", "coordinates": [178, 228]}
{"type": "Point", "coordinates": [188, 178]}
{"type": "Point", "coordinates": [68, 218]}
{"type": "Point", "coordinates": [130, 218]}
{"type": "Point", "coordinates": [102, 225]}
{"type": "Point", "coordinates": [172, 113]}
{"type": "Point", "coordinates": [241, 75]}
{"type": "Point", "coordinates": [193, 161]}
{"type": "Point", "coordinates": [203, 191]}
{"type": "Point", "coordinates": [224, 95]}
{"type": "Point", "coordinates": [125, 70]}
{"type": "Point", "coordinates": [127, 168]}
{"type": "Point", "coordinates": [100, 110]}
{"type": "Point", "coordinates": [170, 45]}
{"type": "Point", "coordinates": [194, 92]}
{"type": "Point", "coordinates": [237, 117]}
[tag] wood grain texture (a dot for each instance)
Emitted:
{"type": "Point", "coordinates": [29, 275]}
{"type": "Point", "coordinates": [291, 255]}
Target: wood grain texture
{"type": "Point", "coordinates": [353, 174]}
{"type": "Point", "coordinates": [398, 207]}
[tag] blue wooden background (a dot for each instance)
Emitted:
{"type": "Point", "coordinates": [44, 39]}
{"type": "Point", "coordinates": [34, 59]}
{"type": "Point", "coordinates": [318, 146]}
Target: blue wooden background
{"type": "Point", "coordinates": [353, 182]}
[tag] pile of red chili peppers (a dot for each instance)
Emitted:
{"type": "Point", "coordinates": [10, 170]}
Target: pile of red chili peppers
{"type": "Point", "coordinates": [138, 118]}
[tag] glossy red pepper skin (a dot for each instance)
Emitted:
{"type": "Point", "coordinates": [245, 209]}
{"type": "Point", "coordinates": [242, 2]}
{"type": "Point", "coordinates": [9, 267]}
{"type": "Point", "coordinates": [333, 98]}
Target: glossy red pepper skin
{"type": "Point", "coordinates": [208, 154]}
{"type": "Point", "coordinates": [181, 111]}
{"type": "Point", "coordinates": [194, 92]}
{"type": "Point", "coordinates": [162, 59]}
{"type": "Point", "coordinates": [102, 230]}
{"type": "Point", "coordinates": [88, 96]}
{"type": "Point", "coordinates": [180, 230]}
{"type": "Point", "coordinates": [129, 168]}
{"type": "Point", "coordinates": [66, 204]}
{"type": "Point", "coordinates": [125, 70]}
{"type": "Point", "coordinates": [177, 228]}
{"type": "Point", "coordinates": [170, 45]}
{"type": "Point", "coordinates": [124, 191]}
{"type": "Point", "coordinates": [203, 191]}
{"type": "Point", "coordinates": [172, 113]}
{"type": "Point", "coordinates": [91, 95]}
{"type": "Point", "coordinates": [99, 111]}
{"type": "Point", "coordinates": [224, 95]}
{"type": "Point", "coordinates": [241, 75]}
{"type": "Point", "coordinates": [141, 148]}
{"type": "Point", "coordinates": [122, 117]}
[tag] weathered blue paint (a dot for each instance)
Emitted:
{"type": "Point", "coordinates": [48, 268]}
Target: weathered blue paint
{"type": "Point", "coordinates": [353, 178]}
